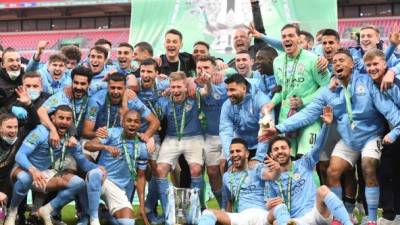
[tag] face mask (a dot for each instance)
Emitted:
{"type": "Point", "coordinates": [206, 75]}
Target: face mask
{"type": "Point", "coordinates": [33, 94]}
{"type": "Point", "coordinates": [13, 74]}
{"type": "Point", "coordinates": [9, 140]}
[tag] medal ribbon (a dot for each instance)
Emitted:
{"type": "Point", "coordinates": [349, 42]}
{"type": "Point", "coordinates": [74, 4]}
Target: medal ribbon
{"type": "Point", "coordinates": [109, 114]}
{"type": "Point", "coordinates": [235, 197]}
{"type": "Point", "coordinates": [63, 149]}
{"type": "Point", "coordinates": [201, 114]}
{"type": "Point", "coordinates": [151, 106]}
{"type": "Point", "coordinates": [131, 163]}
{"type": "Point", "coordinates": [83, 108]}
{"type": "Point", "coordinates": [179, 64]}
{"type": "Point", "coordinates": [288, 200]}
{"type": "Point", "coordinates": [347, 97]}
{"type": "Point", "coordinates": [179, 130]}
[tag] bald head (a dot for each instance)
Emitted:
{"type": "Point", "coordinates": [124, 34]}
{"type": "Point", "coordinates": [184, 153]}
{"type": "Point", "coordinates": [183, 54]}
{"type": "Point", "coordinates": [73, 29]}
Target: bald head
{"type": "Point", "coordinates": [131, 113]}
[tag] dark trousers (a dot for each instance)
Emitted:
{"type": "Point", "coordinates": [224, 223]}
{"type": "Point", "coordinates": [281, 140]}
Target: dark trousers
{"type": "Point", "coordinates": [389, 180]}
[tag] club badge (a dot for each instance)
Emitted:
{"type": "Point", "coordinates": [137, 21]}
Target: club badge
{"type": "Point", "coordinates": [300, 68]}
{"type": "Point", "coordinates": [296, 176]}
{"type": "Point", "coordinates": [188, 107]}
{"type": "Point", "coordinates": [360, 89]}
{"type": "Point", "coordinates": [217, 96]}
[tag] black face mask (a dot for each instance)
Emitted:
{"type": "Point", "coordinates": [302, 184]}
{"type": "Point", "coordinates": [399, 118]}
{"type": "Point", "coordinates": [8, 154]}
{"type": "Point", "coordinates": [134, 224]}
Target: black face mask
{"type": "Point", "coordinates": [380, 45]}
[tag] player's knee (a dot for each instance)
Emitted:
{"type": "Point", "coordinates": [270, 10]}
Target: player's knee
{"type": "Point", "coordinates": [195, 170]}
{"type": "Point", "coordinates": [323, 191]}
{"type": "Point", "coordinates": [213, 172]}
{"type": "Point", "coordinates": [94, 176]}
{"type": "Point", "coordinates": [76, 182]}
{"type": "Point", "coordinates": [369, 173]}
{"type": "Point", "coordinates": [96, 172]}
{"type": "Point", "coordinates": [368, 167]}
{"type": "Point", "coordinates": [323, 166]}
{"type": "Point", "coordinates": [25, 178]}
{"type": "Point", "coordinates": [333, 173]}
{"type": "Point", "coordinates": [162, 170]}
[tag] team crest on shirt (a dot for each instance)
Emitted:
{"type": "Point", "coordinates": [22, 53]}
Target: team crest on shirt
{"type": "Point", "coordinates": [300, 68]}
{"type": "Point", "coordinates": [217, 96]}
{"type": "Point", "coordinates": [360, 89]}
{"type": "Point", "coordinates": [296, 176]}
{"type": "Point", "coordinates": [247, 180]}
{"type": "Point", "coordinates": [54, 101]}
{"type": "Point", "coordinates": [188, 106]}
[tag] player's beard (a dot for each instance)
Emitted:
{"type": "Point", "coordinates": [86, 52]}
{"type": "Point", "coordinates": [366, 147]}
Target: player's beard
{"type": "Point", "coordinates": [283, 160]}
{"type": "Point", "coordinates": [240, 164]}
{"type": "Point", "coordinates": [78, 93]}
{"type": "Point", "coordinates": [236, 99]}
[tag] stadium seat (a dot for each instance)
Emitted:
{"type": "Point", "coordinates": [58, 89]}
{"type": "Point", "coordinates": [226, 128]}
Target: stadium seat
{"type": "Point", "coordinates": [26, 42]}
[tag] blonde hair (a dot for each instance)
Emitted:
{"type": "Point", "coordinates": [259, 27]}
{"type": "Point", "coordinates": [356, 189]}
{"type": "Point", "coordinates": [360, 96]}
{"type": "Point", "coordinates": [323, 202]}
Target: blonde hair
{"type": "Point", "coordinates": [372, 53]}
{"type": "Point", "coordinates": [178, 75]}
{"type": "Point", "coordinates": [372, 27]}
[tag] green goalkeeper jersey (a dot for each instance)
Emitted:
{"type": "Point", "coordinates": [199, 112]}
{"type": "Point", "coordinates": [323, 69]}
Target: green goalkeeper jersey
{"type": "Point", "coordinates": [299, 77]}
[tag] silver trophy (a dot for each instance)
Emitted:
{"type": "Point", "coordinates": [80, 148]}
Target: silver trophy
{"type": "Point", "coordinates": [184, 206]}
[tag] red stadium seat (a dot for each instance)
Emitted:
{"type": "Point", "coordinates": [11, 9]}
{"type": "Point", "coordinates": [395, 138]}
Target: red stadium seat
{"type": "Point", "coordinates": [384, 24]}
{"type": "Point", "coordinates": [26, 42]}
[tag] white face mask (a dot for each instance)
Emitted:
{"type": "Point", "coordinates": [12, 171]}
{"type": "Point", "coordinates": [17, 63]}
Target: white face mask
{"type": "Point", "coordinates": [9, 140]}
{"type": "Point", "coordinates": [33, 94]}
{"type": "Point", "coordinates": [13, 74]}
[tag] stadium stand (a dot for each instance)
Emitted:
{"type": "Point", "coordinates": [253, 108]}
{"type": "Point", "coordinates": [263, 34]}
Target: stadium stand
{"type": "Point", "coordinates": [348, 26]}
{"type": "Point", "coordinates": [26, 41]}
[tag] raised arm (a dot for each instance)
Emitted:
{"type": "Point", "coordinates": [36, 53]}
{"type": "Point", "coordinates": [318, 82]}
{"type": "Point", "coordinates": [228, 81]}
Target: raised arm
{"type": "Point", "coordinates": [34, 63]}
{"type": "Point", "coordinates": [226, 129]}
{"type": "Point", "coordinates": [260, 37]}
{"type": "Point", "coordinates": [96, 145]}
{"type": "Point", "coordinates": [306, 116]}
{"type": "Point", "coordinates": [81, 160]}
{"type": "Point", "coordinates": [327, 118]}
{"type": "Point", "coordinates": [145, 113]}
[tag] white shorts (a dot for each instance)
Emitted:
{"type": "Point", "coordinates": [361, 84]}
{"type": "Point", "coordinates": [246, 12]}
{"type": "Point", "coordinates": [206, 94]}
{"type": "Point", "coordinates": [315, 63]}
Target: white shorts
{"type": "Point", "coordinates": [190, 147]}
{"type": "Point", "coordinates": [252, 216]}
{"type": "Point", "coordinates": [213, 150]}
{"type": "Point", "coordinates": [154, 156]}
{"type": "Point", "coordinates": [50, 174]}
{"type": "Point", "coordinates": [69, 163]}
{"type": "Point", "coordinates": [372, 149]}
{"type": "Point", "coordinates": [313, 217]}
{"type": "Point", "coordinates": [114, 197]}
